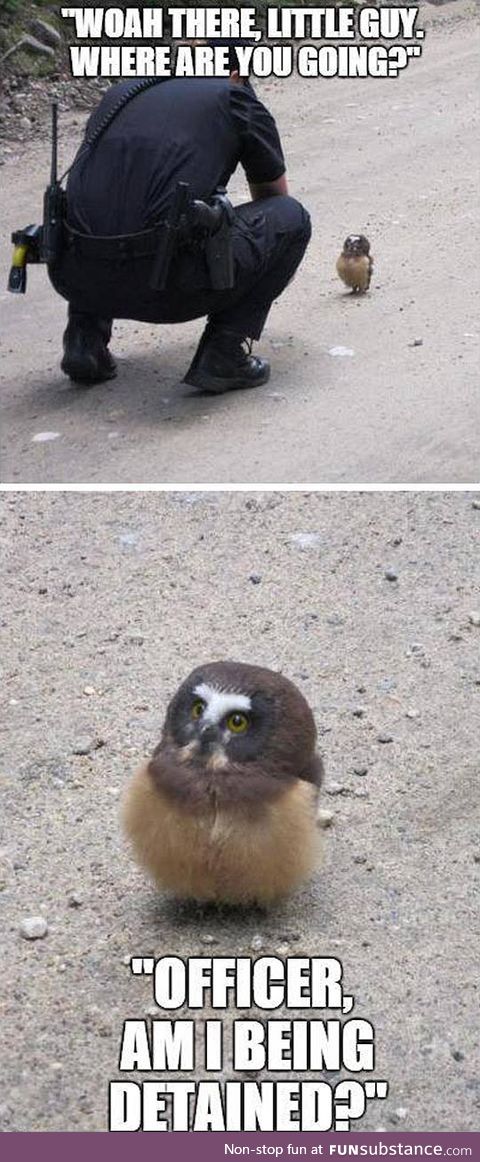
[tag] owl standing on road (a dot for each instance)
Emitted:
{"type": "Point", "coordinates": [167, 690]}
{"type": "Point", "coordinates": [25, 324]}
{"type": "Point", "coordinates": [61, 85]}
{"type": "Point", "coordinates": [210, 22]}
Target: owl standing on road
{"type": "Point", "coordinates": [355, 264]}
{"type": "Point", "coordinates": [225, 810]}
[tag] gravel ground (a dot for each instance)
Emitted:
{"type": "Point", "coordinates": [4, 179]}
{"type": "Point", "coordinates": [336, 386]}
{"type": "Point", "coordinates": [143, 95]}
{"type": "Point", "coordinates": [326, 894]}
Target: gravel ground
{"type": "Point", "coordinates": [108, 602]}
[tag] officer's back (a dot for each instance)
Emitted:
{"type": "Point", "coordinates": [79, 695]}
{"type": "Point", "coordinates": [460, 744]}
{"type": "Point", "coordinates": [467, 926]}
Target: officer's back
{"type": "Point", "coordinates": [192, 130]}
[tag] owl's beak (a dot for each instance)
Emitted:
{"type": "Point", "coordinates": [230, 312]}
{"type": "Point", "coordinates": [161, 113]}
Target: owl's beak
{"type": "Point", "coordinates": [209, 737]}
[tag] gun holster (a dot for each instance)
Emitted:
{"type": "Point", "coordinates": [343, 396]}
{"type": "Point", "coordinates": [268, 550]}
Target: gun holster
{"type": "Point", "coordinates": [207, 224]}
{"type": "Point", "coordinates": [219, 245]}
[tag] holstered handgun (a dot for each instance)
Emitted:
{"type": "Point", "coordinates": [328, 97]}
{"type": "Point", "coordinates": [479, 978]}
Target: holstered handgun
{"type": "Point", "coordinates": [219, 247]}
{"type": "Point", "coordinates": [204, 223]}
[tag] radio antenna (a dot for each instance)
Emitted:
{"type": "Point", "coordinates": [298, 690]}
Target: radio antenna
{"type": "Point", "coordinates": [53, 170]}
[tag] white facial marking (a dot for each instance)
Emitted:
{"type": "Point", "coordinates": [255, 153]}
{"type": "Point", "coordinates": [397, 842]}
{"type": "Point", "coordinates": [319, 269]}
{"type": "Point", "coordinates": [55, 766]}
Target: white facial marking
{"type": "Point", "coordinates": [218, 703]}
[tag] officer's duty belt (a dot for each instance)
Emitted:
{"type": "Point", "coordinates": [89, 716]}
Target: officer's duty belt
{"type": "Point", "coordinates": [113, 248]}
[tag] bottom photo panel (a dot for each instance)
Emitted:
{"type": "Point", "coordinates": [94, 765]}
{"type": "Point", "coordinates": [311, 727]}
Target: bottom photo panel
{"type": "Point", "coordinates": [240, 842]}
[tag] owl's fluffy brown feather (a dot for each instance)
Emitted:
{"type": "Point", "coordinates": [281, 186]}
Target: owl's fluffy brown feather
{"type": "Point", "coordinates": [355, 271]}
{"type": "Point", "coordinates": [228, 785]}
{"type": "Point", "coordinates": [224, 854]}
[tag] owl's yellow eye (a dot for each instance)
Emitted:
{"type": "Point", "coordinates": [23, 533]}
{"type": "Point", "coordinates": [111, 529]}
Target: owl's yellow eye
{"type": "Point", "coordinates": [197, 708]}
{"type": "Point", "coordinates": [238, 723]}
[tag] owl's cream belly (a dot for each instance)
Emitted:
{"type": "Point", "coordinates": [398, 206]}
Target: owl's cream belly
{"type": "Point", "coordinates": [221, 855]}
{"type": "Point", "coordinates": [355, 271]}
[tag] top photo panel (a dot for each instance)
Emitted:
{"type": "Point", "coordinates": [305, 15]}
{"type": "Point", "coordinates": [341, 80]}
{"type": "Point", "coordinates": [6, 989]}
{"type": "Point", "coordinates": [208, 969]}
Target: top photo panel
{"type": "Point", "coordinates": [239, 244]}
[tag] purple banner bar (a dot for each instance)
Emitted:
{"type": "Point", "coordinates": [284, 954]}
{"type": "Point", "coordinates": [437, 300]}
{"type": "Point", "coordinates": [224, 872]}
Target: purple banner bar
{"type": "Point", "coordinates": [212, 1147]}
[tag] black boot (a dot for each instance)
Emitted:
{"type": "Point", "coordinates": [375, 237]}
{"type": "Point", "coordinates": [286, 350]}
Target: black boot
{"type": "Point", "coordinates": [87, 359]}
{"type": "Point", "coordinates": [221, 363]}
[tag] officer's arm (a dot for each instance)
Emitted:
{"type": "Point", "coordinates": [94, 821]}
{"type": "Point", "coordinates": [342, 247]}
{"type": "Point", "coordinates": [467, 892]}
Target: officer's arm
{"type": "Point", "coordinates": [269, 189]}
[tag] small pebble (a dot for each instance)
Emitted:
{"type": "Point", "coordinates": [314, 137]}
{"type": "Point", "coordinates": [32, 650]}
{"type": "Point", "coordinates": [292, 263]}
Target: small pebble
{"type": "Point", "coordinates": [476, 504]}
{"type": "Point", "coordinates": [44, 437]}
{"type": "Point", "coordinates": [458, 1055]}
{"type": "Point", "coordinates": [75, 901]}
{"type": "Point", "coordinates": [391, 575]}
{"type": "Point", "coordinates": [401, 1113]}
{"type": "Point", "coordinates": [358, 711]}
{"type": "Point", "coordinates": [306, 540]}
{"type": "Point", "coordinates": [417, 343]}
{"type": "Point", "coordinates": [256, 943]}
{"type": "Point", "coordinates": [359, 859]}
{"type": "Point", "coordinates": [283, 950]}
{"type": "Point", "coordinates": [412, 714]}
{"type": "Point", "coordinates": [336, 789]}
{"type": "Point", "coordinates": [340, 351]}
{"type": "Point", "coordinates": [255, 578]}
{"type": "Point", "coordinates": [85, 745]}
{"type": "Point", "coordinates": [33, 928]}
{"type": "Point", "coordinates": [384, 738]}
{"type": "Point", "coordinates": [325, 818]}
{"type": "Point", "coordinates": [474, 618]}
{"type": "Point", "coordinates": [89, 690]}
{"type": "Point", "coordinates": [207, 938]}
{"type": "Point", "coordinates": [361, 771]}
{"type": "Point", "coordinates": [360, 793]}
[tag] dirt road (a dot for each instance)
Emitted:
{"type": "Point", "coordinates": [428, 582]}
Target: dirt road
{"type": "Point", "coordinates": [390, 157]}
{"type": "Point", "coordinates": [108, 601]}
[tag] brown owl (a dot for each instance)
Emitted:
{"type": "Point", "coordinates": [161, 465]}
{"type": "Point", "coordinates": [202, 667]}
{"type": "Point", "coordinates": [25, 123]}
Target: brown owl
{"type": "Point", "coordinates": [225, 810]}
{"type": "Point", "coordinates": [355, 264]}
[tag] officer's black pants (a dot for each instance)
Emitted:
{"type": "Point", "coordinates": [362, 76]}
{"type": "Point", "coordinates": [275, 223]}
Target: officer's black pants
{"type": "Point", "coordinates": [269, 240]}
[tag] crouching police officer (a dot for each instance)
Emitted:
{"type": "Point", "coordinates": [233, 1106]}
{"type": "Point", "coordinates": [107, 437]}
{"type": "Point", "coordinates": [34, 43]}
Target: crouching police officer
{"type": "Point", "coordinates": [177, 135]}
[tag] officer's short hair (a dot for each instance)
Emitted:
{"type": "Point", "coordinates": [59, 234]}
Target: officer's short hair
{"type": "Point", "coordinates": [231, 44]}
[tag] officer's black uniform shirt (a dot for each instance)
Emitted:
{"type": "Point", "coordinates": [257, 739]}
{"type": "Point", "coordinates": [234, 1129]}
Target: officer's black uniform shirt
{"type": "Point", "coordinates": [195, 130]}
